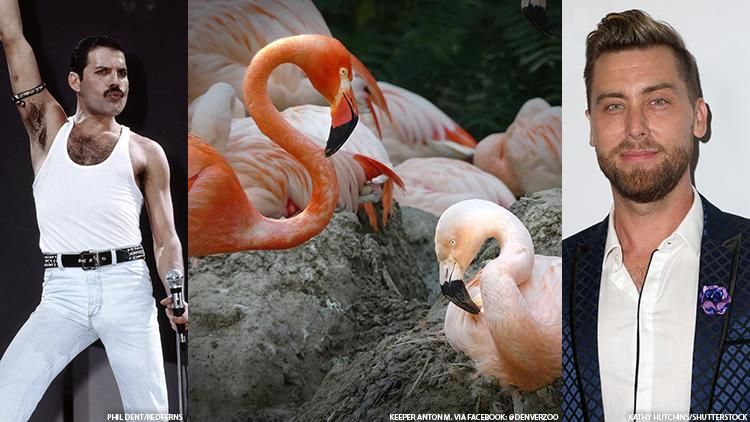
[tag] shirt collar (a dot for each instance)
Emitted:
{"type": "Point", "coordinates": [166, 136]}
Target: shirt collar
{"type": "Point", "coordinates": [691, 227]}
{"type": "Point", "coordinates": [612, 245]}
{"type": "Point", "coordinates": [690, 231]}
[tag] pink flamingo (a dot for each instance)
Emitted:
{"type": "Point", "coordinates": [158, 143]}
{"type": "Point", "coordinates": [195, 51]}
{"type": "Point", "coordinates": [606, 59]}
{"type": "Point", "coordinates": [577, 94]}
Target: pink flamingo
{"type": "Point", "coordinates": [528, 156]}
{"type": "Point", "coordinates": [276, 182]}
{"type": "Point", "coordinates": [509, 319]}
{"type": "Point", "coordinates": [363, 170]}
{"type": "Point", "coordinates": [433, 184]}
{"type": "Point", "coordinates": [220, 217]}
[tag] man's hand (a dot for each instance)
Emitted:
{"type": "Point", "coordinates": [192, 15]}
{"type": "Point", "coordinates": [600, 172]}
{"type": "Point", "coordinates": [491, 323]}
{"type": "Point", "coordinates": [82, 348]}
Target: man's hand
{"type": "Point", "coordinates": [174, 320]}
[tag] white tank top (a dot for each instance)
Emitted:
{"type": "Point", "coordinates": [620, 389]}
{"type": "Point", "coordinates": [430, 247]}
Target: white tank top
{"type": "Point", "coordinates": [81, 208]}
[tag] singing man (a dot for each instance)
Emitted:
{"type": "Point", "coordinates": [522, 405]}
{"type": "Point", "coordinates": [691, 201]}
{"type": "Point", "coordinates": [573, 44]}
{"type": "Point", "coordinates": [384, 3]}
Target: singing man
{"type": "Point", "coordinates": [92, 176]}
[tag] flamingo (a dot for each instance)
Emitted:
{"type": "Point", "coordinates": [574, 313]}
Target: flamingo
{"type": "Point", "coordinates": [220, 217]}
{"type": "Point", "coordinates": [435, 183]}
{"type": "Point", "coordinates": [528, 156]}
{"type": "Point", "coordinates": [280, 183]}
{"type": "Point", "coordinates": [414, 127]}
{"type": "Point", "coordinates": [224, 35]}
{"type": "Point", "coordinates": [276, 183]}
{"type": "Point", "coordinates": [507, 318]}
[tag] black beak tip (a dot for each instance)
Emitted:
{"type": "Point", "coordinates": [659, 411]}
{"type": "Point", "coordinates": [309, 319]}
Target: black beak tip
{"type": "Point", "coordinates": [338, 136]}
{"type": "Point", "coordinates": [456, 292]}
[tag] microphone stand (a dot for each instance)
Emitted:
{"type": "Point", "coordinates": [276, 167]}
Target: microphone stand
{"type": "Point", "coordinates": [181, 347]}
{"type": "Point", "coordinates": [175, 279]}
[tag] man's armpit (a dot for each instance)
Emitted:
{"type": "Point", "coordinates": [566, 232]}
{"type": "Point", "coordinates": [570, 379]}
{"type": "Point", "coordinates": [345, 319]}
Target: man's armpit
{"type": "Point", "coordinates": [36, 124]}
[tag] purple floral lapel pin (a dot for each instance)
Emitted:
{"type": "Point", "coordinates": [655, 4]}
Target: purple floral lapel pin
{"type": "Point", "coordinates": [715, 300]}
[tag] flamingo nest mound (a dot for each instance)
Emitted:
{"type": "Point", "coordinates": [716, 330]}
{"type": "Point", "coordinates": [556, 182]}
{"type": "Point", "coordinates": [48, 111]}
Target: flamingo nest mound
{"type": "Point", "coordinates": [345, 327]}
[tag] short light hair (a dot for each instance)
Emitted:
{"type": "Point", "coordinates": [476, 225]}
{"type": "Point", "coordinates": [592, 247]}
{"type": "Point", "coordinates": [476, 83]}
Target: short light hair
{"type": "Point", "coordinates": [636, 30]}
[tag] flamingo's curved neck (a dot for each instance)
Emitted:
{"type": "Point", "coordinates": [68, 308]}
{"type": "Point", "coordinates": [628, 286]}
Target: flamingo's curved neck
{"type": "Point", "coordinates": [516, 248]}
{"type": "Point", "coordinates": [513, 326]}
{"type": "Point", "coordinates": [268, 233]}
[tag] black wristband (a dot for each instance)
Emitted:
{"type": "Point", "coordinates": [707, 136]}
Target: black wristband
{"type": "Point", "coordinates": [18, 98]}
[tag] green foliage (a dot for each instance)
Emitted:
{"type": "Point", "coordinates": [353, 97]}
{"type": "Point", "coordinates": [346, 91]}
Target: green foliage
{"type": "Point", "coordinates": [478, 60]}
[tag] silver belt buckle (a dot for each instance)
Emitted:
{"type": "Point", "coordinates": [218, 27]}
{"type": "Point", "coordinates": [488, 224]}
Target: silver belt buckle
{"type": "Point", "coordinates": [89, 257]}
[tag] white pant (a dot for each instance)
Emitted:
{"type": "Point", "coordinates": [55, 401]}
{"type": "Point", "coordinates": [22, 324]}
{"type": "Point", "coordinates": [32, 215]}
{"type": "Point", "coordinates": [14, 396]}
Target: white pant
{"type": "Point", "coordinates": [112, 303]}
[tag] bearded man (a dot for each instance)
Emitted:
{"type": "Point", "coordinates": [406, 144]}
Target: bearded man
{"type": "Point", "coordinates": [656, 298]}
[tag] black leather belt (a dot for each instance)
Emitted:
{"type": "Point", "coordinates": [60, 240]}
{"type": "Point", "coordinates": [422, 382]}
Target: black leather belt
{"type": "Point", "coordinates": [92, 259]}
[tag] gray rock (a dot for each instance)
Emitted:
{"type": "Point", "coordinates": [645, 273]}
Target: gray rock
{"type": "Point", "coordinates": [415, 371]}
{"type": "Point", "coordinates": [419, 232]}
{"type": "Point", "coordinates": [266, 325]}
{"type": "Point", "coordinates": [541, 213]}
{"type": "Point", "coordinates": [344, 327]}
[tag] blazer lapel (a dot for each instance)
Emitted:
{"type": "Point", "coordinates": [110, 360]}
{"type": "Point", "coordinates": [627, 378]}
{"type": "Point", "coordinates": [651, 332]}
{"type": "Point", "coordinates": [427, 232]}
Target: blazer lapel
{"type": "Point", "coordinates": [587, 271]}
{"type": "Point", "coordinates": [720, 251]}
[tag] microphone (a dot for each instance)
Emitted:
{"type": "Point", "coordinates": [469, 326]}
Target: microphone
{"type": "Point", "coordinates": [175, 279]}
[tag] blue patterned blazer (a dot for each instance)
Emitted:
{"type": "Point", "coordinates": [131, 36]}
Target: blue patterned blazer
{"type": "Point", "coordinates": [721, 354]}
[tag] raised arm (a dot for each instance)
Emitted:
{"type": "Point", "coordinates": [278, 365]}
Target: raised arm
{"type": "Point", "coordinates": [167, 248]}
{"type": "Point", "coordinates": [41, 114]}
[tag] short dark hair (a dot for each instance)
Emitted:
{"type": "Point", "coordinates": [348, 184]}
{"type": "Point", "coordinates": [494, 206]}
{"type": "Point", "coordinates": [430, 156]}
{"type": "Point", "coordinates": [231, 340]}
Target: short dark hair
{"type": "Point", "coordinates": [636, 30]}
{"type": "Point", "coordinates": [79, 57]}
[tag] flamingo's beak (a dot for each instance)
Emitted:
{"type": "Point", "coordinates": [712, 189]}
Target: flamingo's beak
{"type": "Point", "coordinates": [453, 287]}
{"type": "Point", "coordinates": [537, 15]}
{"type": "Point", "coordinates": [343, 119]}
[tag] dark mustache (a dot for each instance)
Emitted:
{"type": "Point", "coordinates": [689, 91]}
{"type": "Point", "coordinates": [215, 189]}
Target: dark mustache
{"type": "Point", "coordinates": [111, 90]}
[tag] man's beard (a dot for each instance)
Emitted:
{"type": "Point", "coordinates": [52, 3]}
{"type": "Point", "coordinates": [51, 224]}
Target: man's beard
{"type": "Point", "coordinates": [646, 185]}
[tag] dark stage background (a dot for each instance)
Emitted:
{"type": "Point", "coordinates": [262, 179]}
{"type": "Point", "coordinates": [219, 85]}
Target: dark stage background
{"type": "Point", "coordinates": [154, 35]}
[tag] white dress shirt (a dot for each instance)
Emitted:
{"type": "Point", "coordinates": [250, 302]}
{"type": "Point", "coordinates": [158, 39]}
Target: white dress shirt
{"type": "Point", "coordinates": [665, 320]}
